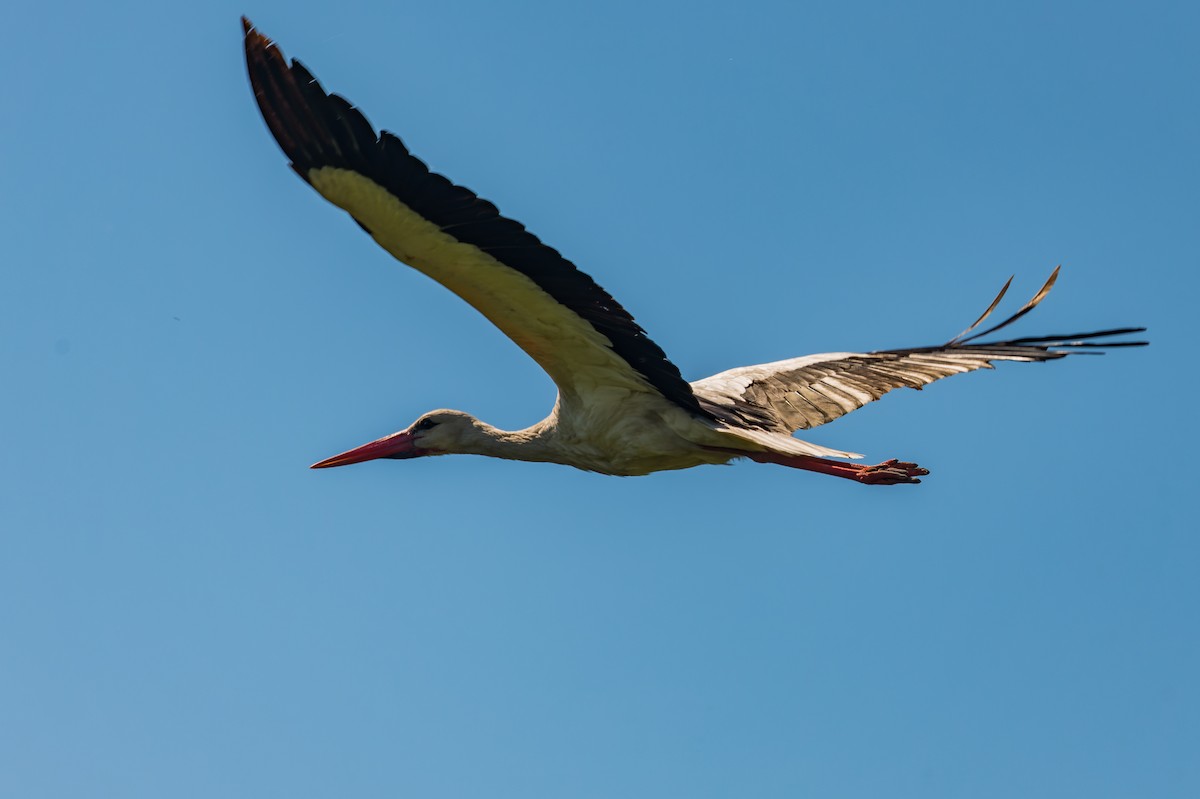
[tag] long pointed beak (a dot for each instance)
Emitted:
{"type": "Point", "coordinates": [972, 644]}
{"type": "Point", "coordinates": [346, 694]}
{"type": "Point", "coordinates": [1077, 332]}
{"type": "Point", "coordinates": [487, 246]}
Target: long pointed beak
{"type": "Point", "coordinates": [397, 445]}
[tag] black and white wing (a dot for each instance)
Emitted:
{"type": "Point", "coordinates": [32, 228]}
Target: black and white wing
{"type": "Point", "coordinates": [574, 329]}
{"type": "Point", "coordinates": [805, 392]}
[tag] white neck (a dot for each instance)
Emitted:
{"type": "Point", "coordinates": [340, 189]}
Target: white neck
{"type": "Point", "coordinates": [534, 443]}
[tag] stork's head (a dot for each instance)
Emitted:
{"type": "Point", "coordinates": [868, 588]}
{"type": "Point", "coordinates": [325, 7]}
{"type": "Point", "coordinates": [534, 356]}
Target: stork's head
{"type": "Point", "coordinates": [435, 433]}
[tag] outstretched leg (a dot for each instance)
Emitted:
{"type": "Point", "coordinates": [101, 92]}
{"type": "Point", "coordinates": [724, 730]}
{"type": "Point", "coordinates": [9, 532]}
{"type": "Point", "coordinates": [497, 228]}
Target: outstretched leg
{"type": "Point", "coordinates": [889, 472]}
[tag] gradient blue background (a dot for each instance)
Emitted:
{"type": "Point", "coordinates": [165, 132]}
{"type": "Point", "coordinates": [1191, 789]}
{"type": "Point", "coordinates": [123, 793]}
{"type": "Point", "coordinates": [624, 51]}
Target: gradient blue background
{"type": "Point", "coordinates": [187, 611]}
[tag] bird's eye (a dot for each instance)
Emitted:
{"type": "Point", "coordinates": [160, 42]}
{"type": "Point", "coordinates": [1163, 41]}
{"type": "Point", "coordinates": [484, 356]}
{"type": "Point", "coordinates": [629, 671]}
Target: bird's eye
{"type": "Point", "coordinates": [425, 424]}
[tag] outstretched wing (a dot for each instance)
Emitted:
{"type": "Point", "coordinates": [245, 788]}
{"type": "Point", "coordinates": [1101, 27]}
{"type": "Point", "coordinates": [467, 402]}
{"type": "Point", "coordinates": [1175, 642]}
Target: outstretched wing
{"type": "Point", "coordinates": [578, 333]}
{"type": "Point", "coordinates": [806, 392]}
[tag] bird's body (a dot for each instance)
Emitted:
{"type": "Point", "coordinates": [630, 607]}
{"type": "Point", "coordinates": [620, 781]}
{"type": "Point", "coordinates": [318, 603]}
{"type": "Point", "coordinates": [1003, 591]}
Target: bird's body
{"type": "Point", "coordinates": [648, 437]}
{"type": "Point", "coordinates": [623, 408]}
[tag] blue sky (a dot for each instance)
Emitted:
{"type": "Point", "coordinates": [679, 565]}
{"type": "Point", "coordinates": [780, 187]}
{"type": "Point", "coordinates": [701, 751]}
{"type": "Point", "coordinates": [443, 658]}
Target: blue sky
{"type": "Point", "coordinates": [186, 610]}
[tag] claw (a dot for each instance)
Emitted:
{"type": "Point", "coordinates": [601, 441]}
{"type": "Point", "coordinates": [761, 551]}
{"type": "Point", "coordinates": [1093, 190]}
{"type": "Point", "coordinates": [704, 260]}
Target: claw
{"type": "Point", "coordinates": [891, 472]}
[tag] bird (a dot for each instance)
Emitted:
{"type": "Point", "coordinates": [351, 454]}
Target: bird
{"type": "Point", "coordinates": [622, 408]}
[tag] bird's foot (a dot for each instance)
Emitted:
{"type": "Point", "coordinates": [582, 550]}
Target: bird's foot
{"type": "Point", "coordinates": [881, 474]}
{"type": "Point", "coordinates": [891, 472]}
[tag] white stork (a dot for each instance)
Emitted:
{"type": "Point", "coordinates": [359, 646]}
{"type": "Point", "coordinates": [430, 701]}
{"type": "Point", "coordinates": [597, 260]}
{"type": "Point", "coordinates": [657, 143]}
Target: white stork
{"type": "Point", "coordinates": [623, 408]}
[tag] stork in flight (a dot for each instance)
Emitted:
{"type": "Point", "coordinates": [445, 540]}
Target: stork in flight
{"type": "Point", "coordinates": [623, 408]}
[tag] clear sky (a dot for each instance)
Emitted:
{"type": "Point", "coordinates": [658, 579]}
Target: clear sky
{"type": "Point", "coordinates": [187, 611]}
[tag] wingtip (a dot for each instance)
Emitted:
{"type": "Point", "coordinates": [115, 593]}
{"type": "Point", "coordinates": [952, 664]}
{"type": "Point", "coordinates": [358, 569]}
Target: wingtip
{"type": "Point", "coordinates": [251, 32]}
{"type": "Point", "coordinates": [254, 37]}
{"type": "Point", "coordinates": [1026, 308]}
{"type": "Point", "coordinates": [251, 35]}
{"type": "Point", "coordinates": [1050, 281]}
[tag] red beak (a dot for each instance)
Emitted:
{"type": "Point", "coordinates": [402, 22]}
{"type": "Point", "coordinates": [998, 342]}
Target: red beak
{"type": "Point", "coordinates": [397, 445]}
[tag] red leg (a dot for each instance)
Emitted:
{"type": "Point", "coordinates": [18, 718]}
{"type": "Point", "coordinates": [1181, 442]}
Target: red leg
{"type": "Point", "coordinates": [889, 472]}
